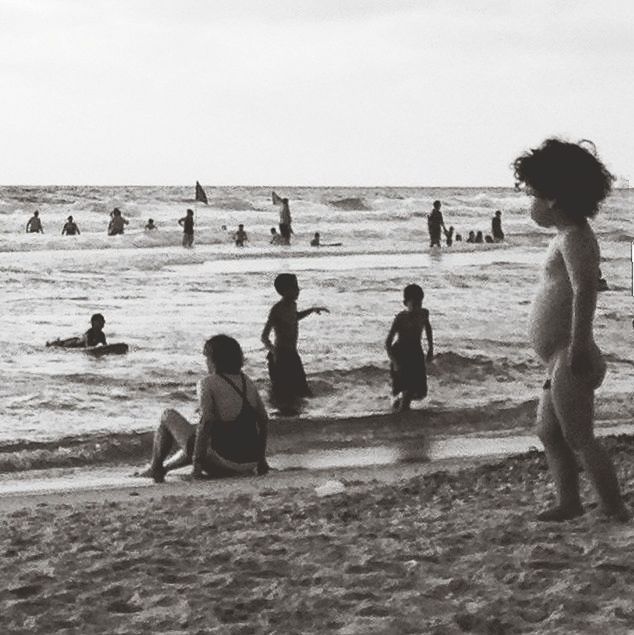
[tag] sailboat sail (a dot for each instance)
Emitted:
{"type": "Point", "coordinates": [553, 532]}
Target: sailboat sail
{"type": "Point", "coordinates": [200, 194]}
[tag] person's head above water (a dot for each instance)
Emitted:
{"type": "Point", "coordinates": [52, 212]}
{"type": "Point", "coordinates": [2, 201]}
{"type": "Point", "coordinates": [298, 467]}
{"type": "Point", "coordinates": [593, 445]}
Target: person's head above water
{"type": "Point", "coordinates": [568, 174]}
{"type": "Point", "coordinates": [97, 320]}
{"type": "Point", "coordinates": [273, 230]}
{"type": "Point", "coordinates": [413, 295]}
{"type": "Point", "coordinates": [70, 219]}
{"type": "Point", "coordinates": [286, 285]}
{"type": "Point", "coordinates": [316, 235]}
{"type": "Point", "coordinates": [437, 204]}
{"type": "Point", "coordinates": [224, 353]}
{"type": "Point", "coordinates": [190, 212]}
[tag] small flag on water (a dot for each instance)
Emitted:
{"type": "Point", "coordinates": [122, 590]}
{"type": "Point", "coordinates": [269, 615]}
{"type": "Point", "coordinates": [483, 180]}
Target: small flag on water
{"type": "Point", "coordinates": [200, 193]}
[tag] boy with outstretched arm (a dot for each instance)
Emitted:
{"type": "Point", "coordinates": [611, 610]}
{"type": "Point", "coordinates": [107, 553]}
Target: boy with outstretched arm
{"type": "Point", "coordinates": [568, 182]}
{"type": "Point", "coordinates": [288, 379]}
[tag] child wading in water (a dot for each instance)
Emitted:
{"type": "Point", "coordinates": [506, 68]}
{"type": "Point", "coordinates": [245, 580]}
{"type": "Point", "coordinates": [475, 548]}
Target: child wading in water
{"type": "Point", "coordinates": [288, 379]}
{"type": "Point", "coordinates": [568, 183]}
{"type": "Point", "coordinates": [407, 368]}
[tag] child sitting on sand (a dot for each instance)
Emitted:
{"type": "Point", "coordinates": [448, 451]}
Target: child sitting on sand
{"type": "Point", "coordinates": [407, 367]}
{"type": "Point", "coordinates": [92, 337]}
{"type": "Point", "coordinates": [231, 436]}
{"type": "Point", "coordinates": [276, 239]}
{"type": "Point", "coordinates": [288, 379]}
{"type": "Point", "coordinates": [568, 182]}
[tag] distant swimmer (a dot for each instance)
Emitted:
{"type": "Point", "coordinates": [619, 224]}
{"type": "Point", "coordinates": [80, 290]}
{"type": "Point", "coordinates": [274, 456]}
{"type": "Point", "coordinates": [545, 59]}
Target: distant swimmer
{"type": "Point", "coordinates": [285, 217]}
{"type": "Point", "coordinates": [316, 242]}
{"type": "Point", "coordinates": [407, 368]}
{"type": "Point", "coordinates": [187, 223]}
{"type": "Point", "coordinates": [435, 225]}
{"type": "Point", "coordinates": [488, 239]}
{"type": "Point", "coordinates": [117, 222]}
{"type": "Point", "coordinates": [94, 336]}
{"type": "Point", "coordinates": [240, 236]}
{"type": "Point", "coordinates": [458, 238]}
{"type": "Point", "coordinates": [496, 227]}
{"type": "Point", "coordinates": [34, 224]}
{"type": "Point", "coordinates": [449, 236]}
{"type": "Point", "coordinates": [70, 227]}
{"type": "Point", "coordinates": [149, 226]}
{"type": "Point", "coordinates": [276, 239]}
{"type": "Point", "coordinates": [471, 237]}
{"type": "Point", "coordinates": [479, 238]}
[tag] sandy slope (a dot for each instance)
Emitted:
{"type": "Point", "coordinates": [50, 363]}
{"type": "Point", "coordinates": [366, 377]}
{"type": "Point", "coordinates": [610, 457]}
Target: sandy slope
{"type": "Point", "coordinates": [410, 552]}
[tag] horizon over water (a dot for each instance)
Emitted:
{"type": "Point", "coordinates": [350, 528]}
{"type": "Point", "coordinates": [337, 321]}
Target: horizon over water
{"type": "Point", "coordinates": [164, 300]}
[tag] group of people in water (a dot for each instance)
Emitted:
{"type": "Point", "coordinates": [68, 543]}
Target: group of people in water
{"type": "Point", "coordinates": [436, 228]}
{"type": "Point", "coordinates": [232, 433]}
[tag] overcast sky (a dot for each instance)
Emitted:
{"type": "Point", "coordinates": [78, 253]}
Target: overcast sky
{"type": "Point", "coordinates": [302, 92]}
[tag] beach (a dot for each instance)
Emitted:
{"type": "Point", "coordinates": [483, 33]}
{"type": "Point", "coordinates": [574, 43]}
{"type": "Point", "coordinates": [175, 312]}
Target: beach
{"type": "Point", "coordinates": [445, 547]}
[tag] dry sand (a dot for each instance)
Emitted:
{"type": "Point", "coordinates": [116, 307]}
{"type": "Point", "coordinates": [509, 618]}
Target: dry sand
{"type": "Point", "coordinates": [405, 549]}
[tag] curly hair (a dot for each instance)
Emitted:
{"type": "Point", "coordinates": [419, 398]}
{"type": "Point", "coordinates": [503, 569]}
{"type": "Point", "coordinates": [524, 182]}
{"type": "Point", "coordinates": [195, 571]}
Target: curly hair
{"type": "Point", "coordinates": [567, 173]}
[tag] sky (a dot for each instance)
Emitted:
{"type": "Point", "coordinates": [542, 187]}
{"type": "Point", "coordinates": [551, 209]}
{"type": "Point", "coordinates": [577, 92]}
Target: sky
{"type": "Point", "coordinates": [308, 92]}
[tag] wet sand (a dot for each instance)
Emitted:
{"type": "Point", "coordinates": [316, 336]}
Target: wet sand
{"type": "Point", "coordinates": [411, 548]}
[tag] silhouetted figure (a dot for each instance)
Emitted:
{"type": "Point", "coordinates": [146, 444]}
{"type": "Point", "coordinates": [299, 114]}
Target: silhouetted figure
{"type": "Point", "coordinates": [449, 236]}
{"type": "Point", "coordinates": [70, 227]}
{"type": "Point", "coordinates": [435, 225]}
{"type": "Point", "coordinates": [407, 368]}
{"type": "Point", "coordinates": [34, 224]}
{"type": "Point", "coordinates": [478, 238]}
{"type": "Point", "coordinates": [240, 236]}
{"type": "Point", "coordinates": [117, 222]}
{"type": "Point", "coordinates": [288, 379]}
{"type": "Point", "coordinates": [458, 238]}
{"type": "Point", "coordinates": [496, 227]}
{"type": "Point", "coordinates": [276, 239]}
{"type": "Point", "coordinates": [150, 225]}
{"type": "Point", "coordinates": [471, 237]}
{"type": "Point", "coordinates": [488, 239]}
{"type": "Point", "coordinates": [315, 241]}
{"type": "Point", "coordinates": [187, 223]}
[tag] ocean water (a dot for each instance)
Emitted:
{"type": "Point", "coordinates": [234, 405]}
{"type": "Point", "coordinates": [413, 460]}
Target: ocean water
{"type": "Point", "coordinates": [164, 300]}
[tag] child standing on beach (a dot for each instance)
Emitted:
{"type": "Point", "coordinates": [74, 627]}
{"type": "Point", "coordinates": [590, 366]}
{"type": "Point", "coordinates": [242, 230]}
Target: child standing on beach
{"type": "Point", "coordinates": [407, 367]}
{"type": "Point", "coordinates": [288, 379]}
{"type": "Point", "coordinates": [567, 183]}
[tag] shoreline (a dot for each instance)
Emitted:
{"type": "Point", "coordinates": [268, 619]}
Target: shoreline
{"type": "Point", "coordinates": [399, 549]}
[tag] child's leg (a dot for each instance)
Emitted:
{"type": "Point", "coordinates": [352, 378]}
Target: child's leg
{"type": "Point", "coordinates": [561, 462]}
{"type": "Point", "coordinates": [573, 401]}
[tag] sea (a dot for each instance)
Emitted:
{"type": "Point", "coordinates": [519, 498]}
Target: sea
{"type": "Point", "coordinates": [164, 300]}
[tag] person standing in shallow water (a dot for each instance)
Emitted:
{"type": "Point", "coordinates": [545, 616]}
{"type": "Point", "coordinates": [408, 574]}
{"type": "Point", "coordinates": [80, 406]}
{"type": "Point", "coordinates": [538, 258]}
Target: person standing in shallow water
{"type": "Point", "coordinates": [34, 224]}
{"type": "Point", "coordinates": [435, 225]}
{"type": "Point", "coordinates": [187, 223]}
{"type": "Point", "coordinates": [407, 359]}
{"type": "Point", "coordinates": [117, 223]}
{"type": "Point", "coordinates": [496, 227]}
{"type": "Point", "coordinates": [70, 227]}
{"type": "Point", "coordinates": [288, 379]}
{"type": "Point", "coordinates": [567, 183]}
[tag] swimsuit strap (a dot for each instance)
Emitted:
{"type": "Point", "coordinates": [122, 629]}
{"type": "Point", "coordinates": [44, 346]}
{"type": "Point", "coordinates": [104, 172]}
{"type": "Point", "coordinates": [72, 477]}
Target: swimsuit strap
{"type": "Point", "coordinates": [243, 392]}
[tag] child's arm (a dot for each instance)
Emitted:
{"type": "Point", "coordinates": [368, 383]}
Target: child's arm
{"type": "Point", "coordinates": [580, 254]}
{"type": "Point", "coordinates": [430, 338]}
{"type": "Point", "coordinates": [266, 332]}
{"type": "Point", "coordinates": [314, 309]}
{"type": "Point", "coordinates": [263, 428]}
{"type": "Point", "coordinates": [390, 339]}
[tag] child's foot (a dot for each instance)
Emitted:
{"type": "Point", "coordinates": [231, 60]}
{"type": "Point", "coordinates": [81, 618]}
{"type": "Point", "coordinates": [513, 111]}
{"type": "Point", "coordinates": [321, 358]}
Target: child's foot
{"type": "Point", "coordinates": [559, 514]}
